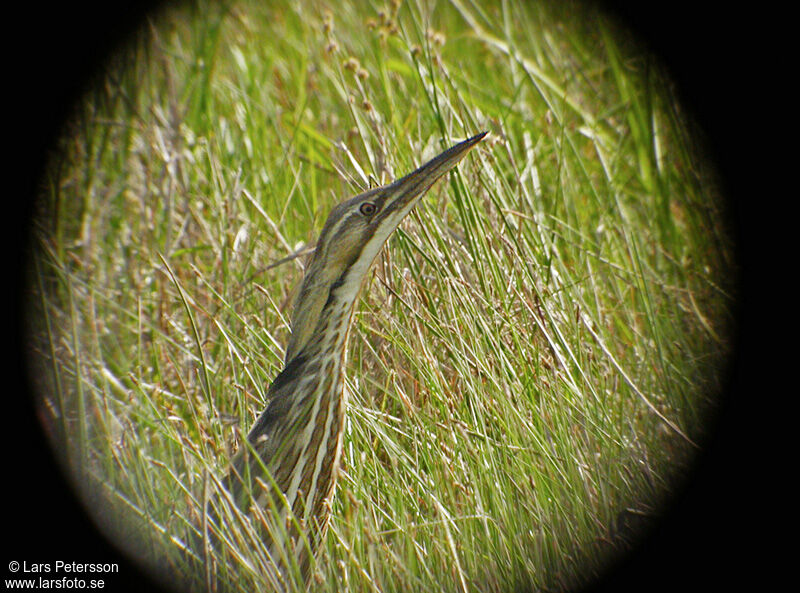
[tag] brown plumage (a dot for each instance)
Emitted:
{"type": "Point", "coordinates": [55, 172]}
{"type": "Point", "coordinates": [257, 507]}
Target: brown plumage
{"type": "Point", "coordinates": [292, 453]}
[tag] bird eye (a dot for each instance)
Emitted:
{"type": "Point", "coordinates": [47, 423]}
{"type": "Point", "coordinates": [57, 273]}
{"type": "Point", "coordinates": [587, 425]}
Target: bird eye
{"type": "Point", "coordinates": [367, 209]}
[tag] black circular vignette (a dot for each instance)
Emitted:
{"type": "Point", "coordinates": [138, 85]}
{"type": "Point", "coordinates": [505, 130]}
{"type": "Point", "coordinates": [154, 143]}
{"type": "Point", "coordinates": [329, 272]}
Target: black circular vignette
{"type": "Point", "coordinates": [705, 538]}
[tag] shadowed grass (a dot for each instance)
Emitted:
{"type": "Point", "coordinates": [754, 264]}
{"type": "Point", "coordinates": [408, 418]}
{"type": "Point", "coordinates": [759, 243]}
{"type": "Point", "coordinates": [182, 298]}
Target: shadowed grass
{"type": "Point", "coordinates": [536, 350]}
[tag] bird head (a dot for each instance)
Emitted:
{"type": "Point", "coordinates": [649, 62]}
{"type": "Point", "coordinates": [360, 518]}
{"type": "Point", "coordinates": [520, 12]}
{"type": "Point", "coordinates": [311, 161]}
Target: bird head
{"type": "Point", "coordinates": [352, 237]}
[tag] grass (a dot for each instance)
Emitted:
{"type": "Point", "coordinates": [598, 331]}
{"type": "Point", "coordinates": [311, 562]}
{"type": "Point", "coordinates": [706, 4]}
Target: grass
{"type": "Point", "coordinates": [536, 351]}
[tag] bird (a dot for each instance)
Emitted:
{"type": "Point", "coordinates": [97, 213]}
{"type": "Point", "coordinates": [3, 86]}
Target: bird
{"type": "Point", "coordinates": [290, 460]}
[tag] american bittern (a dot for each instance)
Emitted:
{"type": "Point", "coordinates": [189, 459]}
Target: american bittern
{"type": "Point", "coordinates": [291, 457]}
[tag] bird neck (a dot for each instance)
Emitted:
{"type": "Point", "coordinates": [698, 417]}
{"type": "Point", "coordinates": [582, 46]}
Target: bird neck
{"type": "Point", "coordinates": [322, 394]}
{"type": "Point", "coordinates": [329, 338]}
{"type": "Point", "coordinates": [323, 313]}
{"type": "Point", "coordinates": [332, 326]}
